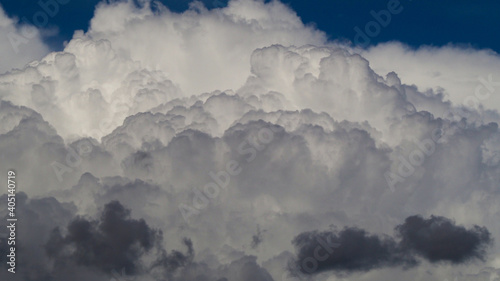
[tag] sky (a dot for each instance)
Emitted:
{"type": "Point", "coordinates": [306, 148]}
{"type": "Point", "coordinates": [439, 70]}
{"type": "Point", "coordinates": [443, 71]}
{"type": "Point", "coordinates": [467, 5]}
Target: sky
{"type": "Point", "coordinates": [249, 140]}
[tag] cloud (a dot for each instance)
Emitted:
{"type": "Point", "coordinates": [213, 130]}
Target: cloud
{"type": "Point", "coordinates": [352, 249]}
{"type": "Point", "coordinates": [176, 259]}
{"type": "Point", "coordinates": [436, 239]}
{"type": "Point", "coordinates": [439, 239]}
{"type": "Point", "coordinates": [236, 119]}
{"type": "Point", "coordinates": [114, 242]}
{"type": "Point", "coordinates": [257, 238]}
{"type": "Point", "coordinates": [39, 217]}
{"type": "Point", "coordinates": [71, 84]}
{"type": "Point", "coordinates": [23, 43]}
{"type": "Point", "coordinates": [464, 75]}
{"type": "Point", "coordinates": [200, 40]}
{"type": "Point", "coordinates": [244, 269]}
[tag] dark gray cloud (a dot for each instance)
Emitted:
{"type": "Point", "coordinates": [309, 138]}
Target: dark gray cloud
{"type": "Point", "coordinates": [115, 242]}
{"type": "Point", "coordinates": [437, 239]}
{"type": "Point", "coordinates": [351, 249]}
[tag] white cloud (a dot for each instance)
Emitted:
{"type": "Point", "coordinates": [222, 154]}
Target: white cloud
{"type": "Point", "coordinates": [21, 43]}
{"type": "Point", "coordinates": [209, 47]}
{"type": "Point", "coordinates": [459, 73]}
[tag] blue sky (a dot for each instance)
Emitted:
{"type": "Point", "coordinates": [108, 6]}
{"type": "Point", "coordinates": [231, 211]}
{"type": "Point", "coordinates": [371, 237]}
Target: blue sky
{"type": "Point", "coordinates": [423, 22]}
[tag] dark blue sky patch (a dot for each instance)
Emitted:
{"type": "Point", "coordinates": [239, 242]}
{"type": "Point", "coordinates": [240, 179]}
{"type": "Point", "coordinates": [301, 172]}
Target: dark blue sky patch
{"type": "Point", "coordinates": [421, 22]}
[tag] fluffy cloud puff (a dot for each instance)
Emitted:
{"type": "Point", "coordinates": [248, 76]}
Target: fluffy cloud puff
{"type": "Point", "coordinates": [463, 75]}
{"type": "Point", "coordinates": [22, 43]}
{"type": "Point", "coordinates": [69, 85]}
{"type": "Point", "coordinates": [241, 129]}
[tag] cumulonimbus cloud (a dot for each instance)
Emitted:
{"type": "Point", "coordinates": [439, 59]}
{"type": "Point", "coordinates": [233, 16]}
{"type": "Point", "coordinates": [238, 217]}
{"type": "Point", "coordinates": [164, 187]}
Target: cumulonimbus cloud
{"type": "Point", "coordinates": [237, 119]}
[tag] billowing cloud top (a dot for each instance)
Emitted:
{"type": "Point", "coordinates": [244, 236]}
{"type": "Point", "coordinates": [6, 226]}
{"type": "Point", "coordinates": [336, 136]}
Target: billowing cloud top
{"type": "Point", "coordinates": [229, 144]}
